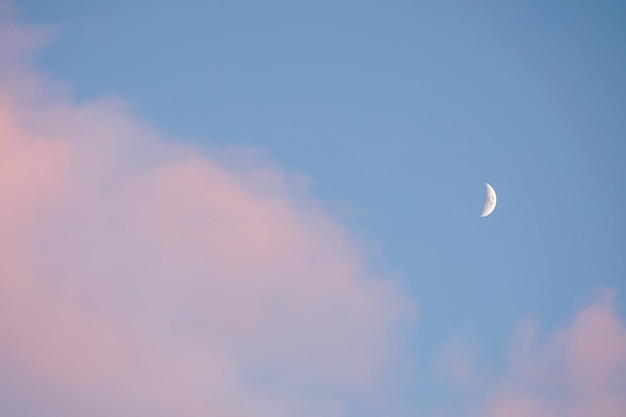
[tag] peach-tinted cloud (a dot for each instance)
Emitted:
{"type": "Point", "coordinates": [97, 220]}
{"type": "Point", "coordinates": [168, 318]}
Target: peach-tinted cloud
{"type": "Point", "coordinates": [579, 372]}
{"type": "Point", "coordinates": [141, 277]}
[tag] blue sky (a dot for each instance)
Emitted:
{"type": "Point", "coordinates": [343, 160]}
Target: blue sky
{"type": "Point", "coordinates": [399, 112]}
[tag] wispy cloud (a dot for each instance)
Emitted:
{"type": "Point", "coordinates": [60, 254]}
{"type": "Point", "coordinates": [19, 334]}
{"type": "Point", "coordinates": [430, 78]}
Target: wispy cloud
{"type": "Point", "coordinates": [580, 371]}
{"type": "Point", "coordinates": [577, 371]}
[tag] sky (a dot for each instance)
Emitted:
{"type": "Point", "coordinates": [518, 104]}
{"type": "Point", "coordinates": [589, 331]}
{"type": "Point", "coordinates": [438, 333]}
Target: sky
{"type": "Point", "coordinates": [250, 209]}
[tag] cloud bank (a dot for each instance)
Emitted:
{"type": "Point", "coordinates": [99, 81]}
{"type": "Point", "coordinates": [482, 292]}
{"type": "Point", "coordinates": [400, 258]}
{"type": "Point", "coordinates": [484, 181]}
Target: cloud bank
{"type": "Point", "coordinates": [143, 277]}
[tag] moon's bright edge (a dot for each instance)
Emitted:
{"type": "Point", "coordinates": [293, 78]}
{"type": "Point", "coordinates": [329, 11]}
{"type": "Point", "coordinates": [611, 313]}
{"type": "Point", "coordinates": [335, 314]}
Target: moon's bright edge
{"type": "Point", "coordinates": [490, 202]}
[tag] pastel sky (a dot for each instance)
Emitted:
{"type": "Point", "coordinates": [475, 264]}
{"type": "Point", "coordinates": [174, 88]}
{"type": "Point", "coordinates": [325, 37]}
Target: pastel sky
{"type": "Point", "coordinates": [251, 209]}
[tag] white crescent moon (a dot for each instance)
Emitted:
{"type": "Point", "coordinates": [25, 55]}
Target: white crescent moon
{"type": "Point", "coordinates": [490, 204]}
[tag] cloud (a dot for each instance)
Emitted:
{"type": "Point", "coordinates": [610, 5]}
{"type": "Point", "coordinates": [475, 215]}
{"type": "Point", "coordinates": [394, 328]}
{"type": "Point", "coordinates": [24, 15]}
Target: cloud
{"type": "Point", "coordinates": [143, 277]}
{"type": "Point", "coordinates": [579, 372]}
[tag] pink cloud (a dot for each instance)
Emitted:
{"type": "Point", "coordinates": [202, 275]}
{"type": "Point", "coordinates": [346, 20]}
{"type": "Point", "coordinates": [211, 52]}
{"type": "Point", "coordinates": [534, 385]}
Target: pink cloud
{"type": "Point", "coordinates": [579, 372]}
{"type": "Point", "coordinates": [142, 277]}
{"type": "Point", "coordinates": [576, 371]}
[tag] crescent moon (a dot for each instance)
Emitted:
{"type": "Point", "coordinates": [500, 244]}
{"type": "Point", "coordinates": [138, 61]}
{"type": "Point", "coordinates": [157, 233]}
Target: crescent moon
{"type": "Point", "coordinates": [490, 203]}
